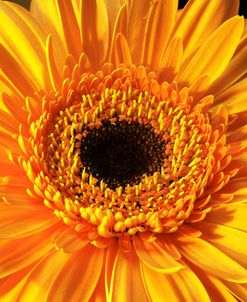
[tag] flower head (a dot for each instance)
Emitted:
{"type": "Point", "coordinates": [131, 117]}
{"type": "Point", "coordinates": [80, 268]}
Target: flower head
{"type": "Point", "coordinates": [123, 151]}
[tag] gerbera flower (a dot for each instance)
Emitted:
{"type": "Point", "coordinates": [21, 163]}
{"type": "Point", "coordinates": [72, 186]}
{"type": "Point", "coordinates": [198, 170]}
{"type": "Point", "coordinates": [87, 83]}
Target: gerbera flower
{"type": "Point", "coordinates": [123, 151]}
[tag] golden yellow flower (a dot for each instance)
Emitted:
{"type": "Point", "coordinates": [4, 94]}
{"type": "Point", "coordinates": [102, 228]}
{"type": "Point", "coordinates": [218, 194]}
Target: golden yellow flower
{"type": "Point", "coordinates": [123, 151]}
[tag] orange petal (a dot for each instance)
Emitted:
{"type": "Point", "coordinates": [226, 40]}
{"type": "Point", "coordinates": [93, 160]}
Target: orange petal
{"type": "Point", "coordinates": [198, 20]}
{"type": "Point", "coordinates": [179, 287]}
{"type": "Point", "coordinates": [126, 282]}
{"type": "Point", "coordinates": [19, 253]}
{"type": "Point", "coordinates": [234, 98]}
{"type": "Point", "coordinates": [78, 276]}
{"type": "Point", "coordinates": [232, 215]}
{"type": "Point", "coordinates": [215, 53]}
{"type": "Point", "coordinates": [40, 278]}
{"type": "Point", "coordinates": [122, 53]}
{"type": "Point", "coordinates": [235, 69]}
{"type": "Point", "coordinates": [70, 27]}
{"type": "Point", "coordinates": [229, 240]}
{"type": "Point", "coordinates": [138, 12]}
{"type": "Point", "coordinates": [70, 241]}
{"type": "Point", "coordinates": [160, 21]}
{"type": "Point", "coordinates": [18, 28]}
{"type": "Point", "coordinates": [152, 255]}
{"type": "Point", "coordinates": [239, 290]}
{"type": "Point", "coordinates": [94, 30]}
{"type": "Point", "coordinates": [204, 255]}
{"type": "Point", "coordinates": [50, 21]}
{"type": "Point", "coordinates": [20, 221]}
{"type": "Point", "coordinates": [171, 60]}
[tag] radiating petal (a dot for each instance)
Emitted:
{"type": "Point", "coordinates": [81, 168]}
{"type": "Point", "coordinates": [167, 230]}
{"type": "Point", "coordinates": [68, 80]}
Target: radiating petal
{"type": "Point", "coordinates": [178, 287]}
{"type": "Point", "coordinates": [138, 12]}
{"type": "Point", "coordinates": [50, 21]}
{"type": "Point", "coordinates": [70, 241]}
{"type": "Point", "coordinates": [235, 69]}
{"type": "Point", "coordinates": [160, 21]}
{"type": "Point", "coordinates": [229, 240]}
{"type": "Point", "coordinates": [19, 253]}
{"type": "Point", "coordinates": [71, 284]}
{"type": "Point", "coordinates": [152, 255]}
{"type": "Point", "coordinates": [94, 29]}
{"type": "Point", "coordinates": [204, 255]}
{"type": "Point", "coordinates": [234, 98]}
{"type": "Point", "coordinates": [15, 32]}
{"type": "Point", "coordinates": [239, 290]}
{"type": "Point", "coordinates": [40, 278]}
{"type": "Point", "coordinates": [122, 53]}
{"type": "Point", "coordinates": [199, 19]}
{"type": "Point", "coordinates": [20, 221]}
{"type": "Point", "coordinates": [215, 53]}
{"type": "Point", "coordinates": [171, 60]}
{"type": "Point", "coordinates": [126, 282]}
{"type": "Point", "coordinates": [232, 215]}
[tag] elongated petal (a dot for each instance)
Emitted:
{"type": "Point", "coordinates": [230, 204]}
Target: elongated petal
{"type": "Point", "coordinates": [40, 278]}
{"type": "Point", "coordinates": [234, 98]}
{"type": "Point", "coordinates": [229, 240]}
{"type": "Point", "coordinates": [23, 220]}
{"type": "Point", "coordinates": [152, 255]}
{"type": "Point", "coordinates": [70, 27]}
{"type": "Point", "coordinates": [235, 69]}
{"type": "Point", "coordinates": [232, 215]}
{"type": "Point", "coordinates": [199, 19]}
{"type": "Point", "coordinates": [19, 253]}
{"type": "Point", "coordinates": [71, 283]}
{"type": "Point", "coordinates": [137, 21]}
{"type": "Point", "coordinates": [204, 255]}
{"type": "Point", "coordinates": [215, 53]}
{"type": "Point", "coordinates": [126, 282]}
{"type": "Point", "coordinates": [51, 23]}
{"type": "Point", "coordinates": [160, 21]}
{"type": "Point", "coordinates": [70, 241]}
{"type": "Point", "coordinates": [94, 28]}
{"type": "Point", "coordinates": [122, 52]}
{"type": "Point", "coordinates": [15, 32]}
{"type": "Point", "coordinates": [171, 60]}
{"type": "Point", "coordinates": [177, 287]}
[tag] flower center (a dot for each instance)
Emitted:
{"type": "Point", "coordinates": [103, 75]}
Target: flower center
{"type": "Point", "coordinates": [121, 153]}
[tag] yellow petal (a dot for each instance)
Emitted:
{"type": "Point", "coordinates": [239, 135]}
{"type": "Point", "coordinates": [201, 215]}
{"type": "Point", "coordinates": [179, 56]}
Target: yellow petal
{"type": "Point", "coordinates": [70, 241]}
{"type": "Point", "coordinates": [171, 60]}
{"type": "Point", "coordinates": [19, 253]}
{"type": "Point", "coordinates": [70, 27]}
{"type": "Point", "coordinates": [178, 287]}
{"type": "Point", "coordinates": [138, 12]}
{"type": "Point", "coordinates": [15, 73]}
{"type": "Point", "coordinates": [216, 52]}
{"type": "Point", "coordinates": [234, 98]}
{"type": "Point", "coordinates": [122, 53]}
{"type": "Point", "coordinates": [152, 255]}
{"type": "Point", "coordinates": [160, 21]}
{"type": "Point", "coordinates": [78, 276]}
{"type": "Point", "coordinates": [94, 31]}
{"type": "Point", "coordinates": [51, 23]}
{"type": "Point", "coordinates": [239, 290]}
{"type": "Point", "coordinates": [235, 69]}
{"type": "Point", "coordinates": [40, 278]}
{"type": "Point", "coordinates": [229, 240]}
{"type": "Point", "coordinates": [199, 19]}
{"type": "Point", "coordinates": [19, 37]}
{"type": "Point", "coordinates": [126, 282]}
{"type": "Point", "coordinates": [204, 255]}
{"type": "Point", "coordinates": [20, 221]}
{"type": "Point", "coordinates": [55, 75]}
{"type": "Point", "coordinates": [232, 215]}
